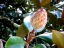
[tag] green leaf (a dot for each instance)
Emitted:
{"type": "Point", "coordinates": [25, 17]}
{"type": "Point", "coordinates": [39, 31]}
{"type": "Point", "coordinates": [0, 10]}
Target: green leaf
{"type": "Point", "coordinates": [46, 37]}
{"type": "Point", "coordinates": [15, 42]}
{"type": "Point", "coordinates": [22, 31]}
{"type": "Point", "coordinates": [40, 46]}
{"type": "Point", "coordinates": [37, 3]}
{"type": "Point", "coordinates": [52, 18]}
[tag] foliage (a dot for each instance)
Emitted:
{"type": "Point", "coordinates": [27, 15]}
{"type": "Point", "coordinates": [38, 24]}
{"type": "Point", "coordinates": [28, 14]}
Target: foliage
{"type": "Point", "coordinates": [58, 40]}
{"type": "Point", "coordinates": [40, 46]}
{"type": "Point", "coordinates": [15, 42]}
{"type": "Point", "coordinates": [11, 24]}
{"type": "Point", "coordinates": [22, 31]}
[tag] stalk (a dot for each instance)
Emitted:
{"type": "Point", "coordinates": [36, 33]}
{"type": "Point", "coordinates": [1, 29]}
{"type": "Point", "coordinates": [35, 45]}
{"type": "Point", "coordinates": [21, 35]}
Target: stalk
{"type": "Point", "coordinates": [30, 37]}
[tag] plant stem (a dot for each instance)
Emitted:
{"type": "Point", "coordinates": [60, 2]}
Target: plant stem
{"type": "Point", "coordinates": [30, 37]}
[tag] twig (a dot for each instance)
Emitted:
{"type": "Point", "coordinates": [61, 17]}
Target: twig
{"type": "Point", "coordinates": [3, 40]}
{"type": "Point", "coordinates": [1, 44]}
{"type": "Point", "coordinates": [7, 20]}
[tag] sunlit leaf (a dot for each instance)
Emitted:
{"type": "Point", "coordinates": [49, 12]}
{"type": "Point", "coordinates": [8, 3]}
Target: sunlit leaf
{"type": "Point", "coordinates": [27, 23]}
{"type": "Point", "coordinates": [15, 42]}
{"type": "Point", "coordinates": [59, 4]}
{"type": "Point", "coordinates": [57, 13]}
{"type": "Point", "coordinates": [22, 31]}
{"type": "Point", "coordinates": [46, 37]}
{"type": "Point", "coordinates": [40, 46]}
{"type": "Point", "coordinates": [58, 38]}
{"type": "Point", "coordinates": [37, 3]}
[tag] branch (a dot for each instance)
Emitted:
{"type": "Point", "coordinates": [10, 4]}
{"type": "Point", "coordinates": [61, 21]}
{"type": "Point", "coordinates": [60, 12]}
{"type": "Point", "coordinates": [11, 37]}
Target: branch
{"type": "Point", "coordinates": [6, 20]}
{"type": "Point", "coordinates": [1, 44]}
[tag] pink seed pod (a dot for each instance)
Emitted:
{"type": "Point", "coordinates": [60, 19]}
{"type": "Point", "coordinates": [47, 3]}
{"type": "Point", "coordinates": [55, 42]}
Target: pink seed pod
{"type": "Point", "coordinates": [39, 19]}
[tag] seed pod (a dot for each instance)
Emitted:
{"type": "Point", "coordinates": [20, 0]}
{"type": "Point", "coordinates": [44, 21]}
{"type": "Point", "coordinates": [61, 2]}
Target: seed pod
{"type": "Point", "coordinates": [39, 19]}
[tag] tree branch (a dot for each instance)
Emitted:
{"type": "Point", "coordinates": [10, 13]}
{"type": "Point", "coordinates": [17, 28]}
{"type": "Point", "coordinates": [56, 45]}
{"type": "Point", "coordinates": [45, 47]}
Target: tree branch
{"type": "Point", "coordinates": [7, 21]}
{"type": "Point", "coordinates": [1, 44]}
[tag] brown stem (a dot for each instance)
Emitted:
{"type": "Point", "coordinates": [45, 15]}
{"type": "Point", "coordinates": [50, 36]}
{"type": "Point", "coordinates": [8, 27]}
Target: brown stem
{"type": "Point", "coordinates": [30, 37]}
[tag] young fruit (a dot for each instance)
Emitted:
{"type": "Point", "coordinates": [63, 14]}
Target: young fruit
{"type": "Point", "coordinates": [39, 19]}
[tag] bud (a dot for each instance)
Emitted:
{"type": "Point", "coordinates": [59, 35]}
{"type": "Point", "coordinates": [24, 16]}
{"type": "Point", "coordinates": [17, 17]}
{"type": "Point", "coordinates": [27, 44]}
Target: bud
{"type": "Point", "coordinates": [37, 21]}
